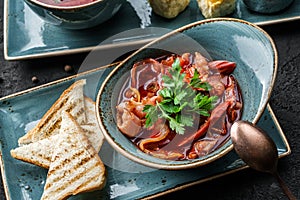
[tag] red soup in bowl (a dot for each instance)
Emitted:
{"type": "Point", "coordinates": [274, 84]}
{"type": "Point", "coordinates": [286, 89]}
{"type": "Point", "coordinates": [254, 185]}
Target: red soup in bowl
{"type": "Point", "coordinates": [66, 2]}
{"type": "Point", "coordinates": [179, 107]}
{"type": "Point", "coordinates": [75, 14]}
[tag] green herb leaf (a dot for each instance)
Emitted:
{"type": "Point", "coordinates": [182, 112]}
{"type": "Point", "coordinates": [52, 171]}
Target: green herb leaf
{"type": "Point", "coordinates": [176, 126]}
{"type": "Point", "coordinates": [151, 116]}
{"type": "Point", "coordinates": [180, 101]}
{"type": "Point", "coordinates": [197, 83]}
{"type": "Point", "coordinates": [166, 93]}
{"type": "Point", "coordinates": [187, 120]}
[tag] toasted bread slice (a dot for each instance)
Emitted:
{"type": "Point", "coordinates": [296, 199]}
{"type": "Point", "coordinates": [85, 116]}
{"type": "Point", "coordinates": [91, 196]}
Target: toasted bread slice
{"type": "Point", "coordinates": [40, 152]}
{"type": "Point", "coordinates": [91, 128]}
{"type": "Point", "coordinates": [75, 165]}
{"type": "Point", "coordinates": [70, 100]}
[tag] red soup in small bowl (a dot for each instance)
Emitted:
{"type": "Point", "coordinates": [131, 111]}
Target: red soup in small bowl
{"type": "Point", "coordinates": [75, 14]}
{"type": "Point", "coordinates": [66, 2]}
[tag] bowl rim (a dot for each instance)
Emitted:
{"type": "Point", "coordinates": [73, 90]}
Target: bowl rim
{"type": "Point", "coordinates": [49, 6]}
{"type": "Point", "coordinates": [223, 151]}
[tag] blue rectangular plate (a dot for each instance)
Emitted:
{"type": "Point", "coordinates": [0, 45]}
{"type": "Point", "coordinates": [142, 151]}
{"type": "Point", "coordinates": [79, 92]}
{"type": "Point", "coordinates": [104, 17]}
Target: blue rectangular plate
{"type": "Point", "coordinates": [27, 36]}
{"type": "Point", "coordinates": [125, 179]}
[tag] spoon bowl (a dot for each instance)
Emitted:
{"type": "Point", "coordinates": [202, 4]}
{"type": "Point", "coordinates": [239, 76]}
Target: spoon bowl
{"type": "Point", "coordinates": [254, 146]}
{"type": "Point", "coordinates": [257, 149]}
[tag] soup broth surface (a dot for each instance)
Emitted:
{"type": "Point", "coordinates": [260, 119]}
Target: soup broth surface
{"type": "Point", "coordinates": [149, 87]}
{"type": "Point", "coordinates": [66, 2]}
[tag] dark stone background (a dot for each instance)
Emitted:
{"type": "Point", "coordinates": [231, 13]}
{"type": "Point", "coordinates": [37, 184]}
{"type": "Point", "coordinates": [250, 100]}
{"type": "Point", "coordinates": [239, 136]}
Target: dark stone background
{"type": "Point", "coordinates": [16, 76]}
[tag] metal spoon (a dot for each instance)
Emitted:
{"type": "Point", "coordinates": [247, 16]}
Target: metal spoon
{"type": "Point", "coordinates": [257, 150]}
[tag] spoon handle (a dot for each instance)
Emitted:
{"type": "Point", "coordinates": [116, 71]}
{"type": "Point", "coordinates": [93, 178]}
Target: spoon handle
{"type": "Point", "coordinates": [284, 187]}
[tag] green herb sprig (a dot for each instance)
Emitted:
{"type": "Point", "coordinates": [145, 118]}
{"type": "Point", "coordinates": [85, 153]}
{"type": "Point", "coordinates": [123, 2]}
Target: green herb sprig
{"type": "Point", "coordinates": [180, 100]}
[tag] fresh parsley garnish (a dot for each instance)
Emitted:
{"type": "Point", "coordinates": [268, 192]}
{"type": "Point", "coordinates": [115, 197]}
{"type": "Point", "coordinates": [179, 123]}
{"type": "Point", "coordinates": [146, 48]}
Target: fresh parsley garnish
{"type": "Point", "coordinates": [180, 100]}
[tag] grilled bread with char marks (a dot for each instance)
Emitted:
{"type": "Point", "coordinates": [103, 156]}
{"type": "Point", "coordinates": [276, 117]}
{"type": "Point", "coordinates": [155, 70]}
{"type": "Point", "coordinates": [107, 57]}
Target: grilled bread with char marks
{"type": "Point", "coordinates": [75, 165]}
{"type": "Point", "coordinates": [71, 100]}
{"type": "Point", "coordinates": [40, 152]}
{"type": "Point", "coordinates": [91, 128]}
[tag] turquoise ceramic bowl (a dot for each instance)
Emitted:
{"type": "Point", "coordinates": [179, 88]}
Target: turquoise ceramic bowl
{"type": "Point", "coordinates": [76, 17]}
{"type": "Point", "coordinates": [267, 6]}
{"type": "Point", "coordinates": [223, 38]}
